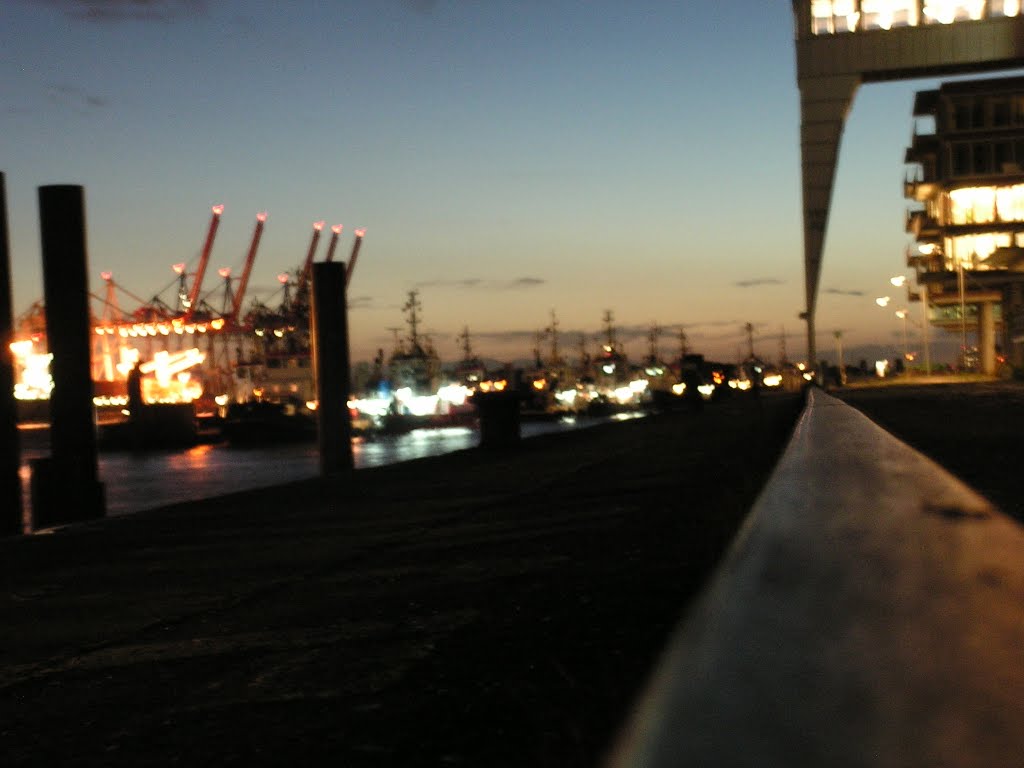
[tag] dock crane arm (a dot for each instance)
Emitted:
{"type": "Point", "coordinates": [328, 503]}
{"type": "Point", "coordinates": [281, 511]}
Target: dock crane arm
{"type": "Point", "coordinates": [307, 266]}
{"type": "Point", "coordinates": [243, 281]}
{"type": "Point", "coordinates": [204, 259]}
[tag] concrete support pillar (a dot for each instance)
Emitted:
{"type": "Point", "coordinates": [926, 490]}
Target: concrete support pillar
{"type": "Point", "coordinates": [1013, 324]}
{"type": "Point", "coordinates": [66, 487]}
{"type": "Point", "coordinates": [10, 451]}
{"type": "Point", "coordinates": [824, 104]}
{"type": "Point", "coordinates": [329, 322]}
{"type": "Point", "coordinates": [987, 337]}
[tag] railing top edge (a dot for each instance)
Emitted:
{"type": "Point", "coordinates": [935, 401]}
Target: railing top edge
{"type": "Point", "coordinates": [870, 613]}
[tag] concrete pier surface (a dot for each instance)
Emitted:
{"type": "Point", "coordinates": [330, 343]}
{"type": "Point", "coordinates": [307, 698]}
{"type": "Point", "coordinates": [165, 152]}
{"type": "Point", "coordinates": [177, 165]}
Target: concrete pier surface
{"type": "Point", "coordinates": [484, 608]}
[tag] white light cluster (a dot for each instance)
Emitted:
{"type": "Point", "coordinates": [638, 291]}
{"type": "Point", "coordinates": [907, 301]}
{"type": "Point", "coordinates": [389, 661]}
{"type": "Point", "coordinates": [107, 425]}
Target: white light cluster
{"type": "Point", "coordinates": [835, 16]}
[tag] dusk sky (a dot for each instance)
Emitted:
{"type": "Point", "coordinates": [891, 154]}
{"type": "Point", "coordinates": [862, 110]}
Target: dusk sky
{"type": "Point", "coordinates": [507, 159]}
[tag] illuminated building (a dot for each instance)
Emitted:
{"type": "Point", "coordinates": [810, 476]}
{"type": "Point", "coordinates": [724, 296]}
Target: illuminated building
{"type": "Point", "coordinates": [966, 169]}
{"type": "Point", "coordinates": [842, 44]}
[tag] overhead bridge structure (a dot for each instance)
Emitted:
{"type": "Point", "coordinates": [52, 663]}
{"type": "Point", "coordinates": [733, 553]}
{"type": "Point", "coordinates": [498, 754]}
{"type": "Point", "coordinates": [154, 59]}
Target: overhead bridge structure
{"type": "Point", "coordinates": [841, 44]}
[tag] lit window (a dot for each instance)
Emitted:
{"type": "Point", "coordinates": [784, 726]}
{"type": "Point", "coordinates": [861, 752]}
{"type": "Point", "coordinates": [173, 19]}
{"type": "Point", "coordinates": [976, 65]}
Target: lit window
{"type": "Point", "coordinates": [886, 14]}
{"type": "Point", "coordinates": [1010, 203]}
{"type": "Point", "coordinates": [948, 11]}
{"type": "Point", "coordinates": [973, 250]}
{"type": "Point", "coordinates": [1005, 8]}
{"type": "Point", "coordinates": [828, 16]}
{"type": "Point", "coordinates": [972, 205]}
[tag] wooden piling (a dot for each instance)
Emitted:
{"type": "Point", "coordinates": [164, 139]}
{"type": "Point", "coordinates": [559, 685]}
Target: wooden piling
{"type": "Point", "coordinates": [10, 451]}
{"type": "Point", "coordinates": [329, 319]}
{"type": "Point", "coordinates": [73, 462]}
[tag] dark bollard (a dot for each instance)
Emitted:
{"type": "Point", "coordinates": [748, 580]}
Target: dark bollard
{"type": "Point", "coordinates": [329, 319]}
{"type": "Point", "coordinates": [499, 418]}
{"type": "Point", "coordinates": [10, 451]}
{"type": "Point", "coordinates": [73, 452]}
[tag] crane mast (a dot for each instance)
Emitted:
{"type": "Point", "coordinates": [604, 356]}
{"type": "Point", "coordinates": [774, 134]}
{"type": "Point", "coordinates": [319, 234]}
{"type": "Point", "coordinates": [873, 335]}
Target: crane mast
{"type": "Point", "coordinates": [204, 259]}
{"type": "Point", "coordinates": [335, 231]}
{"type": "Point", "coordinates": [307, 266]}
{"type": "Point", "coordinates": [354, 255]}
{"type": "Point", "coordinates": [243, 282]}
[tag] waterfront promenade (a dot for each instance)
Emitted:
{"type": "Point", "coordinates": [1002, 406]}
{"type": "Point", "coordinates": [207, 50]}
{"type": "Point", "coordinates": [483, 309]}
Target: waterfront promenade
{"type": "Point", "coordinates": [498, 608]}
{"type": "Point", "coordinates": [479, 608]}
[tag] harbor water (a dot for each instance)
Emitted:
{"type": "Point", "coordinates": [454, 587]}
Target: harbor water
{"type": "Point", "coordinates": [137, 481]}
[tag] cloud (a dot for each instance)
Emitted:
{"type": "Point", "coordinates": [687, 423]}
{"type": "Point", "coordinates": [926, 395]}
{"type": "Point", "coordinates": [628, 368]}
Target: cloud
{"type": "Point", "coordinates": [74, 98]}
{"type": "Point", "coordinates": [426, 7]}
{"type": "Point", "coordinates": [124, 10]}
{"type": "Point", "coordinates": [484, 285]}
{"type": "Point", "coordinates": [753, 282]}
{"type": "Point", "coordinates": [842, 292]}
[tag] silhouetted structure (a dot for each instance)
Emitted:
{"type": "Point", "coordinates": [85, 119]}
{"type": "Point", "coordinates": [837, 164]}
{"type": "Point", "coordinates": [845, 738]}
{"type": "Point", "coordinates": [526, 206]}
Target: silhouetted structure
{"type": "Point", "coordinates": [842, 44]}
{"type": "Point", "coordinates": [72, 466]}
{"type": "Point", "coordinates": [331, 366]}
{"type": "Point", "coordinates": [968, 173]}
{"type": "Point", "coordinates": [10, 453]}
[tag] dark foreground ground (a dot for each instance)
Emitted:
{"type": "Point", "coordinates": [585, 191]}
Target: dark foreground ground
{"type": "Point", "coordinates": [478, 609]}
{"type": "Point", "coordinates": [975, 430]}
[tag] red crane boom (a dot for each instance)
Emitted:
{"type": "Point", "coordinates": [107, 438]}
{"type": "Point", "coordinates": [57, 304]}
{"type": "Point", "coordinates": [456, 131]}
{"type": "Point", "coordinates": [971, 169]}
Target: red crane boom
{"type": "Point", "coordinates": [243, 281]}
{"type": "Point", "coordinates": [335, 231]}
{"type": "Point", "coordinates": [354, 255]}
{"type": "Point", "coordinates": [204, 259]}
{"type": "Point", "coordinates": [307, 267]}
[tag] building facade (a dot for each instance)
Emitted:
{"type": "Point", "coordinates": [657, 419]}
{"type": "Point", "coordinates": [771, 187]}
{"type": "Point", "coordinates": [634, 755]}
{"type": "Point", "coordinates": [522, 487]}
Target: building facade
{"type": "Point", "coordinates": [966, 181]}
{"type": "Point", "coordinates": [843, 44]}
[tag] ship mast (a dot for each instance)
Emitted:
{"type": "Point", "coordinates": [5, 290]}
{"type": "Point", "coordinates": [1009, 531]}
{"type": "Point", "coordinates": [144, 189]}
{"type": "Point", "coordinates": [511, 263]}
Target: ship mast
{"type": "Point", "coordinates": [652, 343]}
{"type": "Point", "coordinates": [609, 329]}
{"type": "Point", "coordinates": [467, 349]}
{"type": "Point", "coordinates": [553, 330]}
{"type": "Point", "coordinates": [412, 318]}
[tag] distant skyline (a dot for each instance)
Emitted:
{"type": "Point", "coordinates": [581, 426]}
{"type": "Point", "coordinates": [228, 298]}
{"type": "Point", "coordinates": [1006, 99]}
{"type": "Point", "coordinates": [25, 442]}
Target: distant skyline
{"type": "Point", "coordinates": [506, 159]}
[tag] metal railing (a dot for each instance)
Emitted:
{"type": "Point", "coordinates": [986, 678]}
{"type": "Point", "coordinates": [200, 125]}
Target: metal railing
{"type": "Point", "coordinates": [870, 613]}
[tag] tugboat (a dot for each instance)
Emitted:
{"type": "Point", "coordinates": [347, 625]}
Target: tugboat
{"type": "Point", "coordinates": [414, 376]}
{"type": "Point", "coordinates": [547, 380]}
{"type": "Point", "coordinates": [611, 372]}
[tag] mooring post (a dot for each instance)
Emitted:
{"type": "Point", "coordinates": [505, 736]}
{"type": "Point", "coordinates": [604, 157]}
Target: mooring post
{"type": "Point", "coordinates": [72, 467]}
{"type": "Point", "coordinates": [331, 367]}
{"type": "Point", "coordinates": [10, 451]}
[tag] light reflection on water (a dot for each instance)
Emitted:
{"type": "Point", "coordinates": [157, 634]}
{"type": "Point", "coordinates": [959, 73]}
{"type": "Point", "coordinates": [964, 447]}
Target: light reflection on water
{"type": "Point", "coordinates": [138, 481]}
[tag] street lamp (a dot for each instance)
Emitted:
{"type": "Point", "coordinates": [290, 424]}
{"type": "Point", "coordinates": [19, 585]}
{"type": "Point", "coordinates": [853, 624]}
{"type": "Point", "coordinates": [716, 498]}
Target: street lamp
{"type": "Point", "coordinates": [902, 315]}
{"type": "Point", "coordinates": [922, 291]}
{"type": "Point", "coordinates": [839, 357]}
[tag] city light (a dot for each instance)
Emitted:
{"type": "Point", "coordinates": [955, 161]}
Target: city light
{"type": "Point", "coordinates": [844, 16]}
